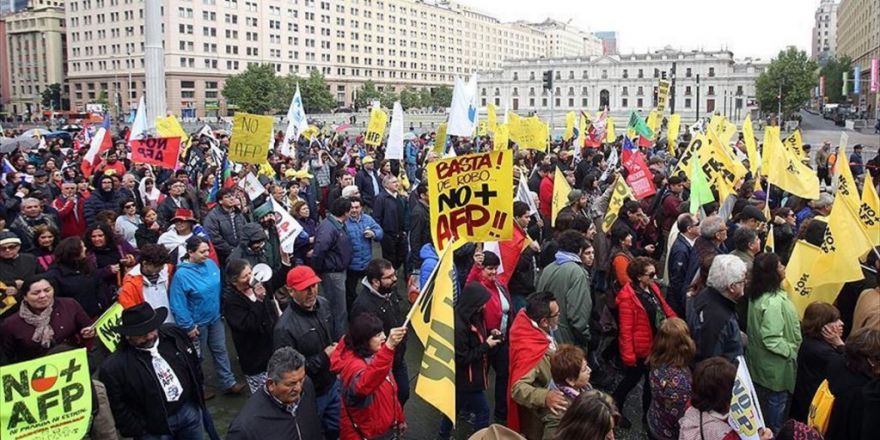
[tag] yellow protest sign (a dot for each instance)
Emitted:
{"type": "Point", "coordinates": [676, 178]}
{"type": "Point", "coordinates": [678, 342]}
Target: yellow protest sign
{"type": "Point", "coordinates": [482, 128]}
{"type": "Point", "coordinates": [168, 127]}
{"type": "Point", "coordinates": [105, 326]}
{"type": "Point", "coordinates": [672, 133]}
{"type": "Point", "coordinates": [744, 413]}
{"type": "Point", "coordinates": [561, 189]}
{"type": "Point", "coordinates": [721, 170]}
{"type": "Point", "coordinates": [653, 122]}
{"type": "Point", "coordinates": [569, 126]}
{"type": "Point", "coordinates": [795, 145]}
{"type": "Point", "coordinates": [46, 398]}
{"type": "Point", "coordinates": [662, 95]}
{"type": "Point", "coordinates": [471, 198]}
{"type": "Point", "coordinates": [440, 140]}
{"type": "Point", "coordinates": [610, 135]}
{"type": "Point", "coordinates": [502, 137]}
{"type": "Point", "coordinates": [493, 119]}
{"type": "Point", "coordinates": [249, 142]}
{"type": "Point", "coordinates": [376, 127]}
{"type": "Point", "coordinates": [532, 133]}
{"type": "Point", "coordinates": [620, 194]}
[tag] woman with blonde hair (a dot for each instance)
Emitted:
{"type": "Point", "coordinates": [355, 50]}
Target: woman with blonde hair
{"type": "Point", "coordinates": [670, 378]}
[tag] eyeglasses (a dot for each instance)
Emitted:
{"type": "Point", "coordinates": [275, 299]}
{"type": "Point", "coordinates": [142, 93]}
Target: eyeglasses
{"type": "Point", "coordinates": [9, 247]}
{"type": "Point", "coordinates": [129, 206]}
{"type": "Point", "coordinates": [651, 274]}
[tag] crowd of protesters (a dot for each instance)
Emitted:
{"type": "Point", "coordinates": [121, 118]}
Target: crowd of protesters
{"type": "Point", "coordinates": [664, 300]}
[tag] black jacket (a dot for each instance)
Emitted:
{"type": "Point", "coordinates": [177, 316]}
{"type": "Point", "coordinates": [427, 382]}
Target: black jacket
{"type": "Point", "coordinates": [389, 212]}
{"type": "Point", "coordinates": [419, 230]}
{"type": "Point", "coordinates": [385, 308]}
{"type": "Point", "coordinates": [471, 348]}
{"type": "Point", "coordinates": [309, 332]}
{"type": "Point", "coordinates": [263, 418]}
{"type": "Point", "coordinates": [522, 281]}
{"type": "Point", "coordinates": [848, 388]}
{"type": "Point", "coordinates": [86, 288]}
{"type": "Point", "coordinates": [225, 228]}
{"type": "Point", "coordinates": [683, 266]}
{"type": "Point", "coordinates": [365, 185]}
{"type": "Point", "coordinates": [102, 201]}
{"type": "Point", "coordinates": [252, 324]}
{"type": "Point", "coordinates": [711, 318]}
{"type": "Point", "coordinates": [136, 398]}
{"type": "Point", "coordinates": [813, 359]}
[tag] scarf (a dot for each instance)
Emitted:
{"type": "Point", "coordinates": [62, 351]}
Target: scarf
{"type": "Point", "coordinates": [43, 332]}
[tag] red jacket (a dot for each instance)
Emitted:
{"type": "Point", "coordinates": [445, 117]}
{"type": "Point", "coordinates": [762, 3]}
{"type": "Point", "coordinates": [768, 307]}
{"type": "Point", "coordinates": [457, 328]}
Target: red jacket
{"type": "Point", "coordinates": [493, 312]}
{"type": "Point", "coordinates": [369, 393]}
{"type": "Point", "coordinates": [72, 216]}
{"type": "Point", "coordinates": [545, 197]}
{"type": "Point", "coordinates": [635, 338]}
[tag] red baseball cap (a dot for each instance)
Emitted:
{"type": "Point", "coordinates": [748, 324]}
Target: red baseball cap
{"type": "Point", "coordinates": [301, 278]}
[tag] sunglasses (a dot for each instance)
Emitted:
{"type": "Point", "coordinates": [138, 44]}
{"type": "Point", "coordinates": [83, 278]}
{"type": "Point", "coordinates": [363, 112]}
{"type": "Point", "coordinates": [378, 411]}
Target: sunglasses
{"type": "Point", "coordinates": [651, 274]}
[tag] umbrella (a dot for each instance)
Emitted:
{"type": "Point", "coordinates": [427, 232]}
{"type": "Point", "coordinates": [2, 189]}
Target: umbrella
{"type": "Point", "coordinates": [408, 136]}
{"type": "Point", "coordinates": [342, 127]}
{"type": "Point", "coordinates": [72, 127]}
{"type": "Point", "coordinates": [58, 134]}
{"type": "Point", "coordinates": [8, 145]}
{"type": "Point", "coordinates": [35, 132]}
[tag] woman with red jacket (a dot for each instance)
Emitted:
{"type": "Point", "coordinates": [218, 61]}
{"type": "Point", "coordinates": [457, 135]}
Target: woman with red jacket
{"type": "Point", "coordinates": [363, 360]}
{"type": "Point", "coordinates": [641, 309]}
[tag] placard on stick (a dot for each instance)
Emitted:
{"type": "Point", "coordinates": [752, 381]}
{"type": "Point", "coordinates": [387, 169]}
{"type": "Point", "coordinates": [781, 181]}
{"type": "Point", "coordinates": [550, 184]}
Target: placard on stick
{"type": "Point", "coordinates": [250, 138]}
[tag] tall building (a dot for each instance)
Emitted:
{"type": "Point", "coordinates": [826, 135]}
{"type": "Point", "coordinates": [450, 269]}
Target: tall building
{"type": "Point", "coordinates": [35, 41]}
{"type": "Point", "coordinates": [565, 40]}
{"type": "Point", "coordinates": [394, 43]}
{"type": "Point", "coordinates": [10, 6]}
{"type": "Point", "coordinates": [825, 31]}
{"type": "Point", "coordinates": [5, 86]}
{"type": "Point", "coordinates": [706, 82]}
{"type": "Point", "coordinates": [858, 37]}
{"type": "Point", "coordinates": [609, 42]}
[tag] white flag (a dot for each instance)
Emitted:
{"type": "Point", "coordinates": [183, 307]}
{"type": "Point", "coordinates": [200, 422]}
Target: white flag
{"type": "Point", "coordinates": [207, 132]}
{"type": "Point", "coordinates": [745, 411]}
{"type": "Point", "coordinates": [394, 149]}
{"type": "Point", "coordinates": [611, 163]}
{"type": "Point", "coordinates": [524, 194]}
{"type": "Point", "coordinates": [296, 122]}
{"type": "Point", "coordinates": [252, 186]}
{"type": "Point", "coordinates": [463, 111]}
{"type": "Point", "coordinates": [139, 127]}
{"type": "Point", "coordinates": [288, 228]}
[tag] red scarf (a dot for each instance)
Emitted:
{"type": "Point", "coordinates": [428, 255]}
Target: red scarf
{"type": "Point", "coordinates": [528, 344]}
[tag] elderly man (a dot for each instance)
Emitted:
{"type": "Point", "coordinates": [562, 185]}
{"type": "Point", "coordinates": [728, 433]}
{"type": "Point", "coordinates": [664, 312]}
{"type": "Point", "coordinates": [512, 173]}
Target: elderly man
{"type": "Point", "coordinates": [367, 181]}
{"type": "Point", "coordinates": [285, 407]}
{"type": "Point", "coordinates": [31, 216]}
{"type": "Point", "coordinates": [712, 315]}
{"type": "Point", "coordinates": [683, 263]}
{"type": "Point", "coordinates": [15, 267]}
{"type": "Point", "coordinates": [70, 208]}
{"type": "Point", "coordinates": [746, 244]}
{"type": "Point", "coordinates": [389, 210]}
{"type": "Point", "coordinates": [176, 200]}
{"type": "Point", "coordinates": [362, 232]}
{"type": "Point", "coordinates": [713, 233]}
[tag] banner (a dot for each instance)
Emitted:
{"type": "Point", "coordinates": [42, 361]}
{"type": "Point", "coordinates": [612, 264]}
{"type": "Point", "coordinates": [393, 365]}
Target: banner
{"type": "Point", "coordinates": [48, 398]}
{"type": "Point", "coordinates": [433, 322]}
{"type": "Point", "coordinates": [376, 127]}
{"type": "Point", "coordinates": [869, 209]}
{"type": "Point", "coordinates": [502, 137]}
{"type": "Point", "coordinates": [620, 194]}
{"type": "Point", "coordinates": [845, 80]}
{"type": "Point", "coordinates": [561, 189]}
{"type": "Point", "coordinates": [610, 135]}
{"type": "Point", "coordinates": [162, 152]}
{"type": "Point", "coordinates": [249, 142]}
{"type": "Point", "coordinates": [662, 95]}
{"type": "Point", "coordinates": [463, 107]}
{"type": "Point", "coordinates": [822, 85]}
{"type": "Point", "coordinates": [745, 410]}
{"type": "Point", "coordinates": [875, 75]}
{"type": "Point", "coordinates": [569, 125]}
{"type": "Point", "coordinates": [252, 186]}
{"type": "Point", "coordinates": [638, 177]}
{"type": "Point", "coordinates": [297, 122]}
{"type": "Point", "coordinates": [751, 145]}
{"type": "Point", "coordinates": [105, 326]}
{"type": "Point", "coordinates": [471, 198]}
{"type": "Point", "coordinates": [673, 128]}
{"type": "Point", "coordinates": [857, 79]}
{"type": "Point", "coordinates": [288, 228]}
{"type": "Point", "coordinates": [802, 285]}
{"type": "Point", "coordinates": [638, 125]}
{"type": "Point", "coordinates": [529, 132]}
{"type": "Point", "coordinates": [788, 172]}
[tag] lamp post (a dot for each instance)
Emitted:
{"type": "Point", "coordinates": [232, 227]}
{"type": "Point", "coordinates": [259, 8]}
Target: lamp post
{"type": "Point", "coordinates": [698, 97]}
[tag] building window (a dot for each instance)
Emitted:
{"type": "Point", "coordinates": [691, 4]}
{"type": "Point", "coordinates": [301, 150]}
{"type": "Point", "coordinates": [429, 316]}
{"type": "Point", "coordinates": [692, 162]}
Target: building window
{"type": "Point", "coordinates": [641, 73]}
{"type": "Point", "coordinates": [711, 72]}
{"type": "Point", "coordinates": [543, 102]}
{"type": "Point", "coordinates": [640, 103]}
{"type": "Point", "coordinates": [571, 102]}
{"type": "Point", "coordinates": [688, 73]}
{"type": "Point", "coordinates": [515, 76]}
{"type": "Point", "coordinates": [711, 91]}
{"type": "Point", "coordinates": [625, 73]}
{"type": "Point", "coordinates": [624, 91]}
{"type": "Point", "coordinates": [584, 102]}
{"type": "Point", "coordinates": [687, 103]}
{"type": "Point", "coordinates": [604, 74]}
{"type": "Point", "coordinates": [624, 102]}
{"type": "Point", "coordinates": [687, 90]}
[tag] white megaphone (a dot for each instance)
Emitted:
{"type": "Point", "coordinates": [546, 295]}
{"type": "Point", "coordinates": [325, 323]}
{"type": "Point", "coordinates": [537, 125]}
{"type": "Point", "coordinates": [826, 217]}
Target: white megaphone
{"type": "Point", "coordinates": [261, 273]}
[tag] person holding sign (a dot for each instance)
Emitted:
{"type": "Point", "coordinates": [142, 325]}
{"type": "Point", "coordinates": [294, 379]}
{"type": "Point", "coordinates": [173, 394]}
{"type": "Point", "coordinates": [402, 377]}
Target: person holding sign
{"type": "Point", "coordinates": [42, 322]}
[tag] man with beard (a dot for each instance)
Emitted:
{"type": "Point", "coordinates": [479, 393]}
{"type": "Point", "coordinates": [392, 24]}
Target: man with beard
{"type": "Point", "coordinates": [154, 380]}
{"type": "Point", "coordinates": [378, 295]}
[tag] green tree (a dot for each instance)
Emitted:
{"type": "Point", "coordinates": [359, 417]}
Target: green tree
{"type": "Point", "coordinates": [315, 93]}
{"type": "Point", "coordinates": [425, 98]}
{"type": "Point", "coordinates": [792, 73]}
{"type": "Point", "coordinates": [387, 99]}
{"type": "Point", "coordinates": [833, 73]}
{"type": "Point", "coordinates": [102, 99]}
{"type": "Point", "coordinates": [256, 90]}
{"type": "Point", "coordinates": [366, 94]}
{"type": "Point", "coordinates": [410, 98]}
{"type": "Point", "coordinates": [441, 97]}
{"type": "Point", "coordinates": [52, 97]}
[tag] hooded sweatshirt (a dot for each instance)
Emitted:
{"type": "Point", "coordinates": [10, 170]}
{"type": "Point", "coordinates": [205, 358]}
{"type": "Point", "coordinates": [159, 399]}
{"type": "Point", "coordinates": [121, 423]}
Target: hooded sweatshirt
{"type": "Point", "coordinates": [471, 348]}
{"type": "Point", "coordinates": [195, 294]}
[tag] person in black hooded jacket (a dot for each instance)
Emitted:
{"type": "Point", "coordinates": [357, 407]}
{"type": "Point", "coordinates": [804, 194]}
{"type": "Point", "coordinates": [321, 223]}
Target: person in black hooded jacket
{"type": "Point", "coordinates": [472, 345]}
{"type": "Point", "coordinates": [104, 198]}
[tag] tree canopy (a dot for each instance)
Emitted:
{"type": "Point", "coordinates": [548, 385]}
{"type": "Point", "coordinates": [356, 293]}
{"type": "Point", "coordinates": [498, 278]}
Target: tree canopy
{"type": "Point", "coordinates": [792, 73]}
{"type": "Point", "coordinates": [833, 73]}
{"type": "Point", "coordinates": [256, 90]}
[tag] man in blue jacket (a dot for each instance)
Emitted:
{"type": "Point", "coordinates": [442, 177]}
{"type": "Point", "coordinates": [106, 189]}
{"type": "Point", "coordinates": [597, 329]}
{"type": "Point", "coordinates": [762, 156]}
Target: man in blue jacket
{"type": "Point", "coordinates": [331, 257]}
{"type": "Point", "coordinates": [362, 231]}
{"type": "Point", "coordinates": [683, 262]}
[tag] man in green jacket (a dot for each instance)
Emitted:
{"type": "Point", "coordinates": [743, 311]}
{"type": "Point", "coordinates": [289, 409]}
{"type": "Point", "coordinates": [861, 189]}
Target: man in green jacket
{"type": "Point", "coordinates": [567, 277]}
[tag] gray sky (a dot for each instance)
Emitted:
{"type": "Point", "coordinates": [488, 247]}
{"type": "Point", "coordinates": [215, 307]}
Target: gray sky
{"type": "Point", "coordinates": [756, 28]}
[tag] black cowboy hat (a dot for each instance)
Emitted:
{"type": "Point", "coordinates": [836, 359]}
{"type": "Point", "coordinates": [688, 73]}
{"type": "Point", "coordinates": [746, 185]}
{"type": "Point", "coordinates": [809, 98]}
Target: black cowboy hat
{"type": "Point", "coordinates": [141, 319]}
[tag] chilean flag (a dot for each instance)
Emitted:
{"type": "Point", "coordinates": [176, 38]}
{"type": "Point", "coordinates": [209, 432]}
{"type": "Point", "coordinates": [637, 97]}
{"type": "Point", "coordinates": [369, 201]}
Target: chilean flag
{"type": "Point", "coordinates": [100, 142]}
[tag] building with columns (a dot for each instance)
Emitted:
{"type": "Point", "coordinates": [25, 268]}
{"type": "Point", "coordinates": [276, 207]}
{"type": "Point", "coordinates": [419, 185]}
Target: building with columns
{"type": "Point", "coordinates": [705, 82]}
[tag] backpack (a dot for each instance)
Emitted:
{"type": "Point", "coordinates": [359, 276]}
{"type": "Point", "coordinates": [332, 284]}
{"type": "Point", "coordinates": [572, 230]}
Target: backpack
{"type": "Point", "coordinates": [820, 408]}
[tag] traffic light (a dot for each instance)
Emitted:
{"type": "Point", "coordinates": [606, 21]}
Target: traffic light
{"type": "Point", "coordinates": [548, 80]}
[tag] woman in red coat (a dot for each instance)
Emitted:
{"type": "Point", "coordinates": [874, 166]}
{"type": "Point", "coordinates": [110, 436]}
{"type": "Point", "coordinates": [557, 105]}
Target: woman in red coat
{"type": "Point", "coordinates": [641, 309]}
{"type": "Point", "coordinates": [363, 360]}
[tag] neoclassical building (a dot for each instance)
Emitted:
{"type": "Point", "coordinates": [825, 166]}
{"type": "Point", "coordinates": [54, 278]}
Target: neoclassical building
{"type": "Point", "coordinates": [705, 82]}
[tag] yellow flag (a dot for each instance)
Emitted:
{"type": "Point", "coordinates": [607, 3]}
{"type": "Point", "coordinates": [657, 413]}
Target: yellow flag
{"type": "Point", "coordinates": [770, 244]}
{"type": "Point", "coordinates": [672, 133]}
{"type": "Point", "coordinates": [795, 145]}
{"type": "Point", "coordinates": [376, 127]}
{"type": "Point", "coordinates": [482, 128]}
{"type": "Point", "coordinates": [105, 326]}
{"type": "Point", "coordinates": [532, 133]}
{"type": "Point", "coordinates": [582, 133]}
{"type": "Point", "coordinates": [845, 184]}
{"type": "Point", "coordinates": [799, 278]}
{"type": "Point", "coordinates": [610, 136]}
{"type": "Point", "coordinates": [561, 188]}
{"type": "Point", "coordinates": [169, 126]}
{"type": "Point", "coordinates": [502, 137]}
{"type": "Point", "coordinates": [493, 119]}
{"type": "Point", "coordinates": [721, 170]}
{"type": "Point", "coordinates": [869, 209]}
{"type": "Point", "coordinates": [789, 173]}
{"type": "Point", "coordinates": [848, 193]}
{"type": "Point", "coordinates": [619, 195]}
{"type": "Point", "coordinates": [310, 132]}
{"type": "Point", "coordinates": [434, 323]}
{"type": "Point", "coordinates": [569, 125]}
{"type": "Point", "coordinates": [844, 243]}
{"type": "Point", "coordinates": [266, 169]}
{"type": "Point", "coordinates": [751, 146]}
{"type": "Point", "coordinates": [653, 121]}
{"type": "Point", "coordinates": [440, 140]}
{"type": "Point", "coordinates": [771, 133]}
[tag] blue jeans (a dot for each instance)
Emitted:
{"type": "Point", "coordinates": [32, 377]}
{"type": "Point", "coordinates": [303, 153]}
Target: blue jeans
{"type": "Point", "coordinates": [468, 401]}
{"type": "Point", "coordinates": [213, 337]}
{"type": "Point", "coordinates": [185, 424]}
{"type": "Point", "coordinates": [773, 406]}
{"type": "Point", "coordinates": [329, 405]}
{"type": "Point", "coordinates": [333, 289]}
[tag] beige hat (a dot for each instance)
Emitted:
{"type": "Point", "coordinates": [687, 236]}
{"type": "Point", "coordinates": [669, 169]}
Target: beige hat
{"type": "Point", "coordinates": [496, 432]}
